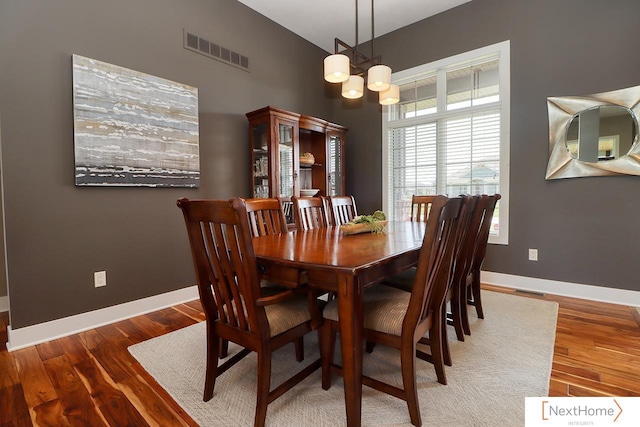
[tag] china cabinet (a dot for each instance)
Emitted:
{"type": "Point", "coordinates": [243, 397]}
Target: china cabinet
{"type": "Point", "coordinates": [292, 152]}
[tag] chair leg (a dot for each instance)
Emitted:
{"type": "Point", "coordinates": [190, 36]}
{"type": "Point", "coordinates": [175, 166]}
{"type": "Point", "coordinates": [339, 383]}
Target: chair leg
{"type": "Point", "coordinates": [211, 372]}
{"type": "Point", "coordinates": [435, 338]}
{"type": "Point", "coordinates": [464, 310]}
{"type": "Point", "coordinates": [264, 384]}
{"type": "Point", "coordinates": [299, 343]}
{"type": "Point", "coordinates": [408, 368]}
{"type": "Point", "coordinates": [369, 346]}
{"type": "Point", "coordinates": [456, 315]}
{"type": "Point", "coordinates": [224, 349]}
{"type": "Point", "coordinates": [475, 287]}
{"type": "Point", "coordinates": [446, 355]}
{"type": "Point", "coordinates": [327, 349]}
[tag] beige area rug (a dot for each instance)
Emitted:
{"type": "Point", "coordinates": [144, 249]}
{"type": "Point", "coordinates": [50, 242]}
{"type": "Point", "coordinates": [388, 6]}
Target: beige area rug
{"type": "Point", "coordinates": [507, 358]}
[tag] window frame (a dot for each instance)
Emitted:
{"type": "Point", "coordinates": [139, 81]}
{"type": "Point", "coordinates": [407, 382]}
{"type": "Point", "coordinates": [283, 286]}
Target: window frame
{"type": "Point", "coordinates": [502, 51]}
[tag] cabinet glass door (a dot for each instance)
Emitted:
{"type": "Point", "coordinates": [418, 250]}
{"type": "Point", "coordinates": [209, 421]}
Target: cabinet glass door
{"type": "Point", "coordinates": [285, 159]}
{"type": "Point", "coordinates": [260, 135]}
{"type": "Point", "coordinates": [334, 166]}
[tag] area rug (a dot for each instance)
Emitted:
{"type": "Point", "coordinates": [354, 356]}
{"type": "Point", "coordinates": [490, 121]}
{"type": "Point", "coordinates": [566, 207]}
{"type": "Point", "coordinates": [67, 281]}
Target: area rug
{"type": "Point", "coordinates": [507, 358]}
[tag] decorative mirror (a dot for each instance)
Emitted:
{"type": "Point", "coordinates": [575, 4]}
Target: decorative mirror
{"type": "Point", "coordinates": [594, 135]}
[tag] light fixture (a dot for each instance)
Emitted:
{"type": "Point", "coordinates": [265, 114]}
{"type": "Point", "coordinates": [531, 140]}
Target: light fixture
{"type": "Point", "coordinates": [348, 66]}
{"type": "Point", "coordinates": [390, 95]}
{"type": "Point", "coordinates": [379, 78]}
{"type": "Point", "coordinates": [336, 68]}
{"type": "Point", "coordinates": [353, 88]}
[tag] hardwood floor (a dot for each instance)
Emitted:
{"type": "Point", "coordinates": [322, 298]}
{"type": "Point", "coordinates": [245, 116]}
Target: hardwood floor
{"type": "Point", "coordinates": [91, 379]}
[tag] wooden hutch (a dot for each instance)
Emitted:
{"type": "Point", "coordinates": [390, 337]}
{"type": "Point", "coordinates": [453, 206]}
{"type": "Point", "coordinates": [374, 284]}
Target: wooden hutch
{"type": "Point", "coordinates": [277, 139]}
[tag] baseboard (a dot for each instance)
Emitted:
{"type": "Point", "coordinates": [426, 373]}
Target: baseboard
{"type": "Point", "coordinates": [4, 304]}
{"type": "Point", "coordinates": [42, 332]}
{"type": "Point", "coordinates": [575, 290]}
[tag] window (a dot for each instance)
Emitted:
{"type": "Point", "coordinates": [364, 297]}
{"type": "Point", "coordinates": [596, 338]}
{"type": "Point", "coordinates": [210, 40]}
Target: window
{"type": "Point", "coordinates": [449, 134]}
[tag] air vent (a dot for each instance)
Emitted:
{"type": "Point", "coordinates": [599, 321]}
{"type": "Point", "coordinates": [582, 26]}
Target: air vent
{"type": "Point", "coordinates": [523, 291]}
{"type": "Point", "coordinates": [212, 50]}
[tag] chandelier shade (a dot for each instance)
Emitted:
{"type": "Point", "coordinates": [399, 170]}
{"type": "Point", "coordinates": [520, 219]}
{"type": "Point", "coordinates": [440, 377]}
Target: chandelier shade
{"type": "Point", "coordinates": [336, 68]}
{"type": "Point", "coordinates": [353, 88]}
{"type": "Point", "coordinates": [379, 78]}
{"type": "Point", "coordinates": [390, 95]}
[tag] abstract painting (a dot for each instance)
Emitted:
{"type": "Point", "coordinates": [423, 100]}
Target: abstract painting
{"type": "Point", "coordinates": [132, 128]}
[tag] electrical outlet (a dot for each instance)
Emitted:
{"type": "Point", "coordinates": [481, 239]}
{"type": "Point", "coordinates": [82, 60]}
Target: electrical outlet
{"type": "Point", "coordinates": [100, 279]}
{"type": "Point", "coordinates": [533, 254]}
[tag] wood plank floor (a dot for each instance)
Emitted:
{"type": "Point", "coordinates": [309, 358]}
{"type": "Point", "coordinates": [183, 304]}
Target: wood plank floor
{"type": "Point", "coordinates": [91, 379]}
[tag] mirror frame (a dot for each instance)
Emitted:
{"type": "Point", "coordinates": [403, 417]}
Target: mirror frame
{"type": "Point", "coordinates": [562, 110]}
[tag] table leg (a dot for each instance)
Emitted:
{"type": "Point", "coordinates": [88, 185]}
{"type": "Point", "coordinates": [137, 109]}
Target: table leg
{"type": "Point", "coordinates": [350, 301]}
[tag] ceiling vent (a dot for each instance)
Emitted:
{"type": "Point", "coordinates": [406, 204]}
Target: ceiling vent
{"type": "Point", "coordinates": [212, 50]}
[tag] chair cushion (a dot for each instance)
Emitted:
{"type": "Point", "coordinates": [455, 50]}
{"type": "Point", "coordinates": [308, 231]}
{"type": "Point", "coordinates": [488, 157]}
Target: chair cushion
{"type": "Point", "coordinates": [287, 314]}
{"type": "Point", "coordinates": [384, 309]}
{"type": "Point", "coordinates": [284, 315]}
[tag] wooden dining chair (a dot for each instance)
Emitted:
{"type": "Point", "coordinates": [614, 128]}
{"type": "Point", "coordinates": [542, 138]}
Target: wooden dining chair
{"type": "Point", "coordinates": [266, 216]}
{"type": "Point", "coordinates": [400, 319]}
{"type": "Point", "coordinates": [236, 307]}
{"type": "Point", "coordinates": [420, 207]}
{"type": "Point", "coordinates": [472, 292]}
{"type": "Point", "coordinates": [342, 209]}
{"type": "Point", "coordinates": [461, 266]}
{"type": "Point", "coordinates": [310, 212]}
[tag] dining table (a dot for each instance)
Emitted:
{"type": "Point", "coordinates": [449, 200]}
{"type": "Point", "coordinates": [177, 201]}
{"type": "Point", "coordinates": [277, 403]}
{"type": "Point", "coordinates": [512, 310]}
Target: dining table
{"type": "Point", "coordinates": [345, 264]}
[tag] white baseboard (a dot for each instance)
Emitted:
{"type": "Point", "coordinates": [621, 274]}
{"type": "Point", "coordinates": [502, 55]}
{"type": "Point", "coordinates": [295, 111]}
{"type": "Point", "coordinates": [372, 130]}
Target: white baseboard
{"type": "Point", "coordinates": [4, 304]}
{"type": "Point", "coordinates": [576, 290]}
{"type": "Point", "coordinates": [42, 332]}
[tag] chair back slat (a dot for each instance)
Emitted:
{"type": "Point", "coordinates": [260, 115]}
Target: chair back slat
{"type": "Point", "coordinates": [343, 209]}
{"type": "Point", "coordinates": [225, 263]}
{"type": "Point", "coordinates": [310, 212]}
{"type": "Point", "coordinates": [480, 248]}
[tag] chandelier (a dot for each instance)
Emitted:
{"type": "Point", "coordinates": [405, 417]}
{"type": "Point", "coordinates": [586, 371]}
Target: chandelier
{"type": "Point", "coordinates": [348, 66]}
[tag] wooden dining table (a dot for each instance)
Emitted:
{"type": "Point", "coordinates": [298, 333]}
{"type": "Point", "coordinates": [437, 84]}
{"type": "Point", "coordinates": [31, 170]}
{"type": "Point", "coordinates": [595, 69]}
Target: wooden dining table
{"type": "Point", "coordinates": [330, 260]}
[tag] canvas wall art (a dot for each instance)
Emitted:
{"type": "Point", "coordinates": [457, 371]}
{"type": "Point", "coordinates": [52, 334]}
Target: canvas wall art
{"type": "Point", "coordinates": [132, 128]}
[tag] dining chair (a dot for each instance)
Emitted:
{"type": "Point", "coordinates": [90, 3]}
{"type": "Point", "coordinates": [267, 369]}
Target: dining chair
{"type": "Point", "coordinates": [236, 307]}
{"type": "Point", "coordinates": [460, 268]}
{"type": "Point", "coordinates": [420, 207]}
{"type": "Point", "coordinates": [472, 292]}
{"type": "Point", "coordinates": [310, 212]}
{"type": "Point", "coordinates": [342, 209]}
{"type": "Point", "coordinates": [266, 216]}
{"type": "Point", "coordinates": [401, 319]}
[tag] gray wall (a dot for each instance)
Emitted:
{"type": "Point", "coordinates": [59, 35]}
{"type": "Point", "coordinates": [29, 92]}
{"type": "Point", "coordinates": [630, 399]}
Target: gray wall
{"type": "Point", "coordinates": [585, 229]}
{"type": "Point", "coordinates": [57, 234]}
{"type": "Point", "coordinates": [3, 267]}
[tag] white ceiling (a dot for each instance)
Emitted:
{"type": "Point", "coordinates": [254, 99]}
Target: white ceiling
{"type": "Point", "coordinates": [320, 21]}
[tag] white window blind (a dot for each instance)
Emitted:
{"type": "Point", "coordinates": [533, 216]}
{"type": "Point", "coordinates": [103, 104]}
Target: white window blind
{"type": "Point", "coordinates": [449, 133]}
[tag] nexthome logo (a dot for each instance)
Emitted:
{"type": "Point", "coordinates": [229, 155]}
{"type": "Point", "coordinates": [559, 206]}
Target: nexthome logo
{"type": "Point", "coordinates": [600, 409]}
{"type": "Point", "coordinates": [582, 411]}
